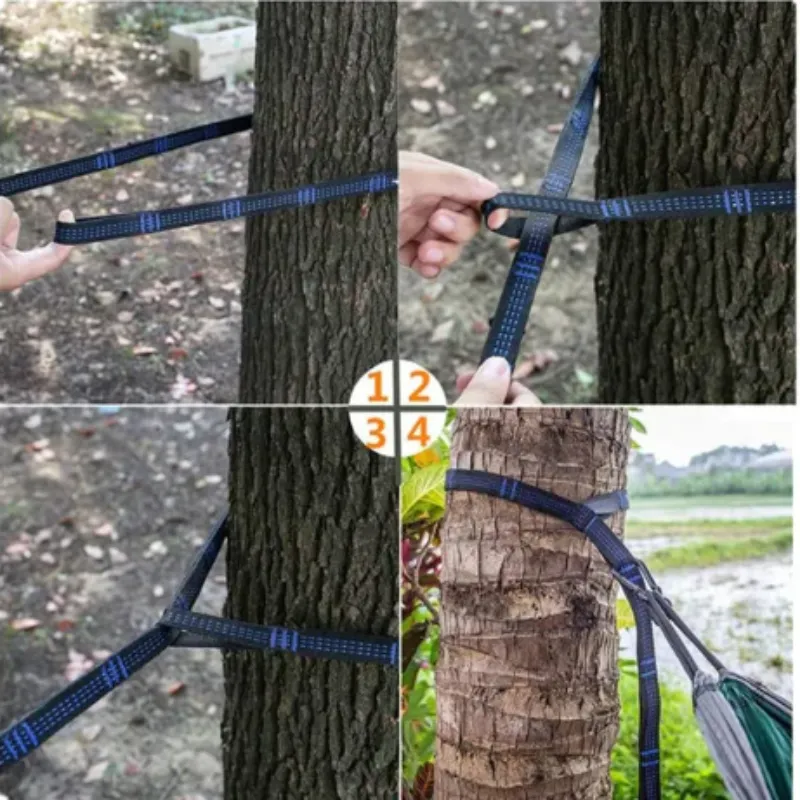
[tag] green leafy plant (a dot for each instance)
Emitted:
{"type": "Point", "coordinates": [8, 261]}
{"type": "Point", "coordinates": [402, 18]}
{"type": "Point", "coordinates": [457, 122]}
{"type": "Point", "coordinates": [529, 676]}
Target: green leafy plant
{"type": "Point", "coordinates": [687, 770]}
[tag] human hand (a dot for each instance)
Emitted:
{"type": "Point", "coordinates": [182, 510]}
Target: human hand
{"type": "Point", "coordinates": [491, 385]}
{"type": "Point", "coordinates": [20, 266]}
{"type": "Point", "coordinates": [439, 211]}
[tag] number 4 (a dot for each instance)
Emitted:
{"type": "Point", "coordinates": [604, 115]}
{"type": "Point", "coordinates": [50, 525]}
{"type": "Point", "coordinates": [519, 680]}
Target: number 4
{"type": "Point", "coordinates": [419, 432]}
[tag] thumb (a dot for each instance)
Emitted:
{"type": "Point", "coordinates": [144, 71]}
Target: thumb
{"type": "Point", "coordinates": [490, 384]}
{"type": "Point", "coordinates": [6, 213]}
{"type": "Point", "coordinates": [456, 183]}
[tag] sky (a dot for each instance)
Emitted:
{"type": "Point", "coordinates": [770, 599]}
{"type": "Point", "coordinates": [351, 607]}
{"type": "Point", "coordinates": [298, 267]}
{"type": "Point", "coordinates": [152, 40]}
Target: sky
{"type": "Point", "coordinates": [676, 433]}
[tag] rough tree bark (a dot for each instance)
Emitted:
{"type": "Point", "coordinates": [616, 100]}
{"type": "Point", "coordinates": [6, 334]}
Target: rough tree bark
{"type": "Point", "coordinates": [319, 295]}
{"type": "Point", "coordinates": [527, 677]}
{"type": "Point", "coordinates": [696, 94]}
{"type": "Point", "coordinates": [314, 546]}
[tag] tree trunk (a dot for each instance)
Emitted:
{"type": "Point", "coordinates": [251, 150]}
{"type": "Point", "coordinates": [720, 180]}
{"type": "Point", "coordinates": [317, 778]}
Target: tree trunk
{"type": "Point", "coordinates": [697, 311]}
{"type": "Point", "coordinates": [527, 677]}
{"type": "Point", "coordinates": [314, 546]}
{"type": "Point", "coordinates": [319, 296]}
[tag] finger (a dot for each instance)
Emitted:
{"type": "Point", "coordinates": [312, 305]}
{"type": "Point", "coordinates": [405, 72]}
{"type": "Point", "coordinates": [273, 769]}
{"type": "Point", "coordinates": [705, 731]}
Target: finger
{"type": "Point", "coordinates": [489, 385]}
{"type": "Point", "coordinates": [519, 395]}
{"type": "Point", "coordinates": [455, 226]}
{"type": "Point", "coordinates": [407, 253]}
{"type": "Point", "coordinates": [437, 254]}
{"type": "Point", "coordinates": [28, 265]}
{"type": "Point", "coordinates": [497, 218]}
{"type": "Point", "coordinates": [11, 235]}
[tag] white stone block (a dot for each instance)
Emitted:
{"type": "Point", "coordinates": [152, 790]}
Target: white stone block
{"type": "Point", "coordinates": [215, 48]}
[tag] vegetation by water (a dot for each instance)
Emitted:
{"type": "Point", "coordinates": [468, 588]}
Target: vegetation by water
{"type": "Point", "coordinates": [717, 482]}
{"type": "Point", "coordinates": [707, 528]}
{"type": "Point", "coordinates": [715, 551]}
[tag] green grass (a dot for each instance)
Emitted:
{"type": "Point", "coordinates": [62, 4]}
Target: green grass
{"type": "Point", "coordinates": [712, 528]}
{"type": "Point", "coordinates": [710, 552]}
{"type": "Point", "coordinates": [695, 501]}
{"type": "Point", "coordinates": [687, 770]}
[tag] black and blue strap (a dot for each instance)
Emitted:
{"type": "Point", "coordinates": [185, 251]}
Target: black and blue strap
{"type": "Point", "coordinates": [181, 627]}
{"type": "Point", "coordinates": [587, 518]}
{"type": "Point", "coordinates": [551, 212]}
{"type": "Point", "coordinates": [117, 226]}
{"type": "Point", "coordinates": [511, 317]}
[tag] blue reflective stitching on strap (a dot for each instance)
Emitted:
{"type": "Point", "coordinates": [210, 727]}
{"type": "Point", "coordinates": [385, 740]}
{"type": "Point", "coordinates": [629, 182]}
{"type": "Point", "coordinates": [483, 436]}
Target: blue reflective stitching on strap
{"type": "Point", "coordinates": [616, 553]}
{"type": "Point", "coordinates": [552, 212]}
{"type": "Point", "coordinates": [10, 748]}
{"type": "Point", "coordinates": [28, 734]}
{"type": "Point", "coordinates": [18, 740]}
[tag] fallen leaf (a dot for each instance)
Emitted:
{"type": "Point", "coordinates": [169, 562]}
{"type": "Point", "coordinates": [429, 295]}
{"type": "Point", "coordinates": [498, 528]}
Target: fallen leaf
{"type": "Point", "coordinates": [33, 422]}
{"type": "Point", "coordinates": [156, 548]}
{"type": "Point", "coordinates": [87, 433]}
{"type": "Point", "coordinates": [77, 665]}
{"type": "Point", "coordinates": [65, 625]}
{"type": "Point", "coordinates": [178, 353]}
{"type": "Point", "coordinates": [175, 688]}
{"type": "Point", "coordinates": [96, 772]}
{"type": "Point", "coordinates": [442, 331]}
{"type": "Point", "coordinates": [572, 54]}
{"type": "Point", "coordinates": [93, 551]}
{"type": "Point", "coordinates": [19, 549]}
{"type": "Point", "coordinates": [182, 388]}
{"type": "Point", "coordinates": [25, 624]}
{"type": "Point", "coordinates": [91, 732]}
{"type": "Point", "coordinates": [144, 350]}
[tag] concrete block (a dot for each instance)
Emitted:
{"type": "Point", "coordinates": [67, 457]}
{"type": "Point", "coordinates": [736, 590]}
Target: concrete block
{"type": "Point", "coordinates": [214, 48]}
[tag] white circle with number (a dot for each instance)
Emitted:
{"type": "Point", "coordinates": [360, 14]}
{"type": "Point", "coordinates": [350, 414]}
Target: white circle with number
{"type": "Point", "coordinates": [419, 405]}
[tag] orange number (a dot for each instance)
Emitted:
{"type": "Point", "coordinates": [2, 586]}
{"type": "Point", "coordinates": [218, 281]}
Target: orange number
{"type": "Point", "coordinates": [376, 432]}
{"type": "Point", "coordinates": [417, 396]}
{"type": "Point", "coordinates": [419, 432]}
{"type": "Point", "coordinates": [378, 396]}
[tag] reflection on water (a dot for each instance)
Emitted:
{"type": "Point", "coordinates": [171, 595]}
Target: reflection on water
{"type": "Point", "coordinates": [742, 611]}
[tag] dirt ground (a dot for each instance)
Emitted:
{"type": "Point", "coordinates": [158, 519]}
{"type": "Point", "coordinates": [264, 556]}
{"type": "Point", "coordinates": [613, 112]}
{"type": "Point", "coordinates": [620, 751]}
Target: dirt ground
{"type": "Point", "coordinates": [486, 85]}
{"type": "Point", "coordinates": [76, 78]}
{"type": "Point", "coordinates": [100, 515]}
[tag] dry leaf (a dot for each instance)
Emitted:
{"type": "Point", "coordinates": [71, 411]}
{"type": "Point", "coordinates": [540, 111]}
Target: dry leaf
{"type": "Point", "coordinates": [25, 624]}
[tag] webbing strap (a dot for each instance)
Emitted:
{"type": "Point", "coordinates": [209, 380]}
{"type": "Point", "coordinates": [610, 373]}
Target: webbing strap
{"type": "Point", "coordinates": [511, 316]}
{"type": "Point", "coordinates": [582, 517]}
{"type": "Point", "coordinates": [552, 212]}
{"type": "Point", "coordinates": [180, 626]}
{"type": "Point", "coordinates": [140, 223]}
{"type": "Point", "coordinates": [126, 154]}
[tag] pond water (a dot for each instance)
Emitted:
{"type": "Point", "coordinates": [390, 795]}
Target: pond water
{"type": "Point", "coordinates": [742, 611]}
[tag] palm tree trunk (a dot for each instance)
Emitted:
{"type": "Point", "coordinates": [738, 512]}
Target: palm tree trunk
{"type": "Point", "coordinates": [527, 678]}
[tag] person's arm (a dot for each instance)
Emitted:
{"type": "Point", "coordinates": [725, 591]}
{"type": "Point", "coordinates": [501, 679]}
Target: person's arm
{"type": "Point", "coordinates": [20, 266]}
